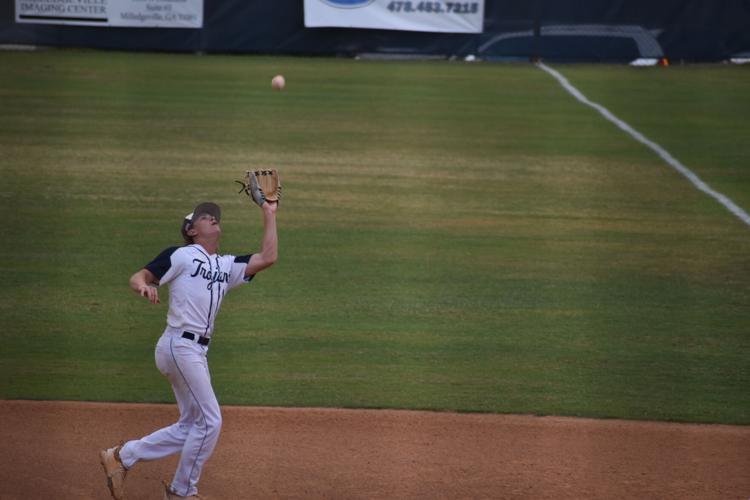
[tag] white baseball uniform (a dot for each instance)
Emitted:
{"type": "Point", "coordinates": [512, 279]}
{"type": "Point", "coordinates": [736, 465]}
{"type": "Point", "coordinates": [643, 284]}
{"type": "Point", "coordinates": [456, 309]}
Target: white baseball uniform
{"type": "Point", "coordinates": [197, 283]}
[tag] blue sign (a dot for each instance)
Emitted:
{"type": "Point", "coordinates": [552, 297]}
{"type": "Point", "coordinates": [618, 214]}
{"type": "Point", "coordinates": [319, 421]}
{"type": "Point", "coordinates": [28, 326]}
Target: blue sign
{"type": "Point", "coordinates": [348, 4]}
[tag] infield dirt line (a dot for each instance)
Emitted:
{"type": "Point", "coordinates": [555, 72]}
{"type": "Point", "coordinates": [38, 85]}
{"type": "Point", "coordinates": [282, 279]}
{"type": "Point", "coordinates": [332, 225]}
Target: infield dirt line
{"type": "Point", "coordinates": [50, 451]}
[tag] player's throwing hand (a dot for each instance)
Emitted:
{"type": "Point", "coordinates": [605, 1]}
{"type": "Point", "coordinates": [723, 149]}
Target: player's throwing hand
{"type": "Point", "coordinates": [150, 292]}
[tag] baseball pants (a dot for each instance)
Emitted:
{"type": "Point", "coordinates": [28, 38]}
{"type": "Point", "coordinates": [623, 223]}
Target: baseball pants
{"type": "Point", "coordinates": [194, 435]}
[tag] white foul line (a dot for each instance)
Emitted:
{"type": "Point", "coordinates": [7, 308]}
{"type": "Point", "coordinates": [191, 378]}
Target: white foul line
{"type": "Point", "coordinates": [663, 153]}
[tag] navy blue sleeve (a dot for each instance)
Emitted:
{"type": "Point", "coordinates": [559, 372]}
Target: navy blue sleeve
{"type": "Point", "coordinates": [242, 259]}
{"type": "Point", "coordinates": [161, 264]}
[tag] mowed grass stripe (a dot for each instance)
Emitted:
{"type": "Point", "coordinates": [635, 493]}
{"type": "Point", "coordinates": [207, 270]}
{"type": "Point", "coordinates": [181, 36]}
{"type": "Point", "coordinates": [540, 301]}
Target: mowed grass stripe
{"type": "Point", "coordinates": [453, 236]}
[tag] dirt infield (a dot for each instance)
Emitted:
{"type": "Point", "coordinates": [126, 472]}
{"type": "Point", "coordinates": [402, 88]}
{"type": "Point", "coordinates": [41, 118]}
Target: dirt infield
{"type": "Point", "coordinates": [50, 451]}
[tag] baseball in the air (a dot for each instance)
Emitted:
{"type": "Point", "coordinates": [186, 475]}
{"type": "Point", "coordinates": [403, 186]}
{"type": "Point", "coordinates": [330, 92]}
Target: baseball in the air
{"type": "Point", "coordinates": [278, 82]}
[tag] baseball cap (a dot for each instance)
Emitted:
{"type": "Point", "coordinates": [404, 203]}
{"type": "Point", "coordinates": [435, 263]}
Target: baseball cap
{"type": "Point", "coordinates": [206, 207]}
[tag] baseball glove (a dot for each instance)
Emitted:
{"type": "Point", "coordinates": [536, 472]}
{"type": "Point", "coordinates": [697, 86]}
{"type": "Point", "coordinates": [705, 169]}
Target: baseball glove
{"type": "Point", "coordinates": [261, 186]}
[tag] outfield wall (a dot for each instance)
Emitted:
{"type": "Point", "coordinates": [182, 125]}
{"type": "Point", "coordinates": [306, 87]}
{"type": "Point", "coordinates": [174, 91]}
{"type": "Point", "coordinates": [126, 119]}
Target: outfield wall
{"type": "Point", "coordinates": [558, 30]}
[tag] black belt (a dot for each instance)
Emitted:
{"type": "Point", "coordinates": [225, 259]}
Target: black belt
{"type": "Point", "coordinates": [191, 336]}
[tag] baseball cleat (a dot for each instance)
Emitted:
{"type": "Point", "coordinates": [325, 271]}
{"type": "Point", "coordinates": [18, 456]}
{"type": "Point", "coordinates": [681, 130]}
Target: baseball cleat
{"type": "Point", "coordinates": [115, 471]}
{"type": "Point", "coordinates": [169, 493]}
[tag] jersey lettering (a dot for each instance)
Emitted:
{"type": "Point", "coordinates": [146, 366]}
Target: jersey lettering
{"type": "Point", "coordinates": [206, 274]}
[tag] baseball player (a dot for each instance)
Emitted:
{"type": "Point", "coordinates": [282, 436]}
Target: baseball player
{"type": "Point", "coordinates": [198, 279]}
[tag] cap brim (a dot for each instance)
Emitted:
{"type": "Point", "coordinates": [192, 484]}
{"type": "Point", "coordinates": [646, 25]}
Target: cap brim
{"type": "Point", "coordinates": [207, 208]}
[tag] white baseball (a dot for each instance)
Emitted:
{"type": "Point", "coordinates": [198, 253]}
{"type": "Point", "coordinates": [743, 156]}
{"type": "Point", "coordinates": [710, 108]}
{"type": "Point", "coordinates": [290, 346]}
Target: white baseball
{"type": "Point", "coordinates": [278, 82]}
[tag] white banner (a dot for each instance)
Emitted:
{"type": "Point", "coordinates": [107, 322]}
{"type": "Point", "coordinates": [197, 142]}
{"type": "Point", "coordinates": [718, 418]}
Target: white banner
{"type": "Point", "coordinates": [124, 13]}
{"type": "Point", "coordinates": [411, 15]}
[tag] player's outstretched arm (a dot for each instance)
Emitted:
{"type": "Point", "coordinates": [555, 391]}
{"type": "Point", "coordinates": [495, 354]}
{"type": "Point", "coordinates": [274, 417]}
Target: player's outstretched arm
{"type": "Point", "coordinates": [270, 247]}
{"type": "Point", "coordinates": [141, 283]}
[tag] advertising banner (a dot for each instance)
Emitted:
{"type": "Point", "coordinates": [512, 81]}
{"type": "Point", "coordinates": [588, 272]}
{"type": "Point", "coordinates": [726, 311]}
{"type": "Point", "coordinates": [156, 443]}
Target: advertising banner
{"type": "Point", "coordinates": [124, 13]}
{"type": "Point", "coordinates": [409, 15]}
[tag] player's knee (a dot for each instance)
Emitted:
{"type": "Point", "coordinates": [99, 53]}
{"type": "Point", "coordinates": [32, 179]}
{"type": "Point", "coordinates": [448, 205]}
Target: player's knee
{"type": "Point", "coordinates": [216, 423]}
{"type": "Point", "coordinates": [213, 423]}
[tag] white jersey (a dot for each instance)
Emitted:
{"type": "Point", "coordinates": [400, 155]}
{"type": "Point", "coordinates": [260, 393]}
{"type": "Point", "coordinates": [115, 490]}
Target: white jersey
{"type": "Point", "coordinates": [197, 283]}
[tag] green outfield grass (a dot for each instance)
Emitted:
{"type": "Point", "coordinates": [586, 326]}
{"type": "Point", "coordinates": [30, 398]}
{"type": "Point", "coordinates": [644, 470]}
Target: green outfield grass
{"type": "Point", "coordinates": [453, 236]}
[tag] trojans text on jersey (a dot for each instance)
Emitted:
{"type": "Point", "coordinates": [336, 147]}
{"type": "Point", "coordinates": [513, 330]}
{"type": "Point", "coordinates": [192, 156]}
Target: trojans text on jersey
{"type": "Point", "coordinates": [208, 275]}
